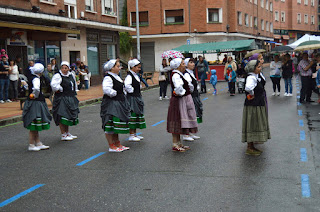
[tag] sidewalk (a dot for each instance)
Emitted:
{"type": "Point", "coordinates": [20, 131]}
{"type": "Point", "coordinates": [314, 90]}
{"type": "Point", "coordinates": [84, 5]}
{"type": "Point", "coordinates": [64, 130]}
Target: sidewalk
{"type": "Point", "coordinates": [11, 113]}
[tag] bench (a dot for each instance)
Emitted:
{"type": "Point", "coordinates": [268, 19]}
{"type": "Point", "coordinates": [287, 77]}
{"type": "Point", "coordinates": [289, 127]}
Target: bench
{"type": "Point", "coordinates": [148, 75]}
{"type": "Point", "coordinates": [23, 99]}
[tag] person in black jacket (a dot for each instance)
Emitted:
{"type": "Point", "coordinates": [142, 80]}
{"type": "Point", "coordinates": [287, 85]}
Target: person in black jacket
{"type": "Point", "coordinates": [287, 74]}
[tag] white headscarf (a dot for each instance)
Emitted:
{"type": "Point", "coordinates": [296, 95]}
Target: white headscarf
{"type": "Point", "coordinates": [66, 63]}
{"type": "Point", "coordinates": [175, 63]}
{"type": "Point", "coordinates": [133, 63]}
{"type": "Point", "coordinates": [186, 61]}
{"type": "Point", "coordinates": [109, 65]}
{"type": "Point", "coordinates": [37, 68]}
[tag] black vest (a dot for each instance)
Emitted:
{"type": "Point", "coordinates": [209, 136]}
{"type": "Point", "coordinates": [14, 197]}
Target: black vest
{"type": "Point", "coordinates": [118, 86]}
{"type": "Point", "coordinates": [135, 85]}
{"type": "Point", "coordinates": [30, 85]}
{"type": "Point", "coordinates": [185, 84]}
{"type": "Point", "coordinates": [259, 98]}
{"type": "Point", "coordinates": [195, 92]}
{"type": "Point", "coordinates": [69, 86]}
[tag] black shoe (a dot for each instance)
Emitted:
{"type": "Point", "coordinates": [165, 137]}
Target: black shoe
{"type": "Point", "coordinates": [309, 100]}
{"type": "Point", "coordinates": [302, 101]}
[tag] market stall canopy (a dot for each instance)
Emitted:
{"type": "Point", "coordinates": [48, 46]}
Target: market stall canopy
{"type": "Point", "coordinates": [216, 47]}
{"type": "Point", "coordinates": [304, 38]}
{"type": "Point", "coordinates": [308, 45]}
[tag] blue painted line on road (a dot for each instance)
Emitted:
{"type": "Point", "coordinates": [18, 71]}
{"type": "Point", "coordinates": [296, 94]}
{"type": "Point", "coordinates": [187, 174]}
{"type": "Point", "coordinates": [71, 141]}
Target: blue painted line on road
{"type": "Point", "coordinates": [303, 155]}
{"type": "Point", "coordinates": [298, 92]}
{"type": "Point", "coordinates": [205, 99]}
{"type": "Point", "coordinates": [305, 186]}
{"type": "Point", "coordinates": [302, 135]}
{"type": "Point", "coordinates": [14, 198]}
{"type": "Point", "coordinates": [298, 103]}
{"type": "Point", "coordinates": [301, 123]}
{"type": "Point", "coordinates": [298, 97]}
{"type": "Point", "coordinates": [300, 112]}
{"type": "Point", "coordinates": [298, 88]}
{"type": "Point", "coordinates": [90, 159]}
{"type": "Point", "coordinates": [139, 133]}
{"type": "Point", "coordinates": [158, 123]}
{"type": "Point", "coordinates": [221, 89]}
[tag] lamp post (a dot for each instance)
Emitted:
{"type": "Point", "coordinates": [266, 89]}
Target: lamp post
{"type": "Point", "coordinates": [138, 31]}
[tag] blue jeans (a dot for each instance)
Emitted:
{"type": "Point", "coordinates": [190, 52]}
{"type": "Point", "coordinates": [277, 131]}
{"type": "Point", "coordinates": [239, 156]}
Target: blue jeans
{"type": "Point", "coordinates": [203, 77]}
{"type": "Point", "coordinates": [288, 83]}
{"type": "Point", "coordinates": [4, 87]}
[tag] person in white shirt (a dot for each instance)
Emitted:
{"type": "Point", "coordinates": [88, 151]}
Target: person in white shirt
{"type": "Point", "coordinates": [132, 87]}
{"type": "Point", "coordinates": [182, 118]}
{"type": "Point", "coordinates": [275, 74]}
{"type": "Point", "coordinates": [36, 116]}
{"type": "Point", "coordinates": [164, 79]}
{"type": "Point", "coordinates": [115, 108]}
{"type": "Point", "coordinates": [65, 105]}
{"type": "Point", "coordinates": [14, 80]}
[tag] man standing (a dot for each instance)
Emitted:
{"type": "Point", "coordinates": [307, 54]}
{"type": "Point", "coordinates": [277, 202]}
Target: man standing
{"type": "Point", "coordinates": [306, 78]}
{"type": "Point", "coordinates": [203, 70]}
{"type": "Point", "coordinates": [4, 80]}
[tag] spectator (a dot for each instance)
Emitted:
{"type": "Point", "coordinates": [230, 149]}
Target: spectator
{"type": "Point", "coordinates": [27, 71]}
{"type": "Point", "coordinates": [14, 79]}
{"type": "Point", "coordinates": [4, 80]}
{"type": "Point", "coordinates": [225, 59]}
{"type": "Point", "coordinates": [164, 79]}
{"type": "Point", "coordinates": [203, 68]}
{"type": "Point", "coordinates": [275, 71]}
{"type": "Point", "coordinates": [317, 89]}
{"type": "Point", "coordinates": [19, 64]}
{"type": "Point", "coordinates": [306, 78]}
{"type": "Point", "coordinates": [4, 53]}
{"type": "Point", "coordinates": [287, 74]}
{"type": "Point", "coordinates": [54, 66]}
{"type": "Point", "coordinates": [232, 63]}
{"type": "Point", "coordinates": [84, 76]}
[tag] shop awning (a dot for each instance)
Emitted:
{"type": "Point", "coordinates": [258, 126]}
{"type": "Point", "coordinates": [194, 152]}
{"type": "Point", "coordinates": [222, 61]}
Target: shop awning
{"type": "Point", "coordinates": [277, 36]}
{"type": "Point", "coordinates": [38, 27]}
{"type": "Point", "coordinates": [285, 37]}
{"type": "Point", "coordinates": [216, 47]}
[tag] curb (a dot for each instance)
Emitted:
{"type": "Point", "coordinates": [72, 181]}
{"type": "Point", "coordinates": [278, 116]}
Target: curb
{"type": "Point", "coordinates": [15, 119]}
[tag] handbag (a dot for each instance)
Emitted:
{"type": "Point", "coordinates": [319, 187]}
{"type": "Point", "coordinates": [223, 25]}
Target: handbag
{"type": "Point", "coordinates": [162, 78]}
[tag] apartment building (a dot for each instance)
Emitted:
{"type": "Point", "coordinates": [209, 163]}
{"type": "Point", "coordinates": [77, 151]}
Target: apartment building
{"type": "Point", "coordinates": [71, 30]}
{"type": "Point", "coordinates": [294, 18]}
{"type": "Point", "coordinates": [166, 24]}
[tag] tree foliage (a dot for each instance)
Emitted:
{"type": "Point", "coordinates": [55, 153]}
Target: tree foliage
{"type": "Point", "coordinates": [125, 38]}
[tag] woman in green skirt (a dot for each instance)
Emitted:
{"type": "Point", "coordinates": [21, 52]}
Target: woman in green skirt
{"type": "Point", "coordinates": [65, 106]}
{"type": "Point", "coordinates": [115, 109]}
{"type": "Point", "coordinates": [36, 115]}
{"type": "Point", "coordinates": [255, 124]}
{"type": "Point", "coordinates": [132, 86]}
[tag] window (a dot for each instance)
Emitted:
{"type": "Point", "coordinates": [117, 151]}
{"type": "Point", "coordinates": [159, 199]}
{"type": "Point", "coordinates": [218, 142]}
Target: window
{"type": "Point", "coordinates": [107, 7]}
{"type": "Point", "coordinates": [174, 17]}
{"type": "Point", "coordinates": [214, 15]}
{"type": "Point", "coordinates": [255, 22]}
{"type": "Point", "coordinates": [312, 19]}
{"type": "Point", "coordinates": [276, 16]}
{"type": "Point", "coordinates": [71, 11]}
{"type": "Point", "coordinates": [89, 5]}
{"type": "Point", "coordinates": [299, 18]}
{"type": "Point", "coordinates": [255, 2]}
{"type": "Point", "coordinates": [267, 5]}
{"type": "Point", "coordinates": [305, 2]}
{"type": "Point", "coordinates": [240, 18]}
{"type": "Point", "coordinates": [262, 24]}
{"type": "Point", "coordinates": [267, 26]}
{"type": "Point", "coordinates": [271, 6]}
{"type": "Point", "coordinates": [262, 3]}
{"type": "Point", "coordinates": [283, 0]}
{"type": "Point", "coordinates": [305, 18]}
{"type": "Point", "coordinates": [251, 21]}
{"type": "Point", "coordinates": [299, 1]}
{"type": "Point", "coordinates": [312, 3]}
{"type": "Point", "coordinates": [271, 27]}
{"type": "Point", "coordinates": [283, 16]}
{"type": "Point", "coordinates": [246, 19]}
{"type": "Point", "coordinates": [143, 18]}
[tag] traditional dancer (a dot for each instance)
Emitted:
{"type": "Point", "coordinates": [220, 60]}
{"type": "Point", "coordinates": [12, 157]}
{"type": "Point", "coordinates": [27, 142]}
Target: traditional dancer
{"type": "Point", "coordinates": [36, 115]}
{"type": "Point", "coordinates": [115, 108]}
{"type": "Point", "coordinates": [190, 77]}
{"type": "Point", "coordinates": [255, 124]}
{"type": "Point", "coordinates": [65, 106]}
{"type": "Point", "coordinates": [181, 117]}
{"type": "Point", "coordinates": [132, 86]}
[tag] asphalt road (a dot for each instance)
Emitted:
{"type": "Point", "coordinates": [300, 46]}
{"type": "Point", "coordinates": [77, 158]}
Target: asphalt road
{"type": "Point", "coordinates": [215, 175]}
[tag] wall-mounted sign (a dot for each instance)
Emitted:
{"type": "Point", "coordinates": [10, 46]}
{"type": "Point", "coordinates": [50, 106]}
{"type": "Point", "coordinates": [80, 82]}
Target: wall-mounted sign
{"type": "Point", "coordinates": [18, 38]}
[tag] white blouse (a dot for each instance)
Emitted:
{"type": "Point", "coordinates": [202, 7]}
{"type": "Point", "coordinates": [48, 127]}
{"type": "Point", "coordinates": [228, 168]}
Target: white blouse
{"type": "Point", "coordinates": [14, 74]}
{"type": "Point", "coordinates": [128, 82]}
{"type": "Point", "coordinates": [178, 83]}
{"type": "Point", "coordinates": [107, 84]}
{"type": "Point", "coordinates": [165, 69]}
{"type": "Point", "coordinates": [187, 77]}
{"type": "Point", "coordinates": [36, 86]}
{"type": "Point", "coordinates": [274, 66]}
{"type": "Point", "coordinates": [251, 83]}
{"type": "Point", "coordinates": [57, 79]}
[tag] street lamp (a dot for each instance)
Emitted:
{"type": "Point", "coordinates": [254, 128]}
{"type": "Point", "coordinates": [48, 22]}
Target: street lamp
{"type": "Point", "coordinates": [138, 31]}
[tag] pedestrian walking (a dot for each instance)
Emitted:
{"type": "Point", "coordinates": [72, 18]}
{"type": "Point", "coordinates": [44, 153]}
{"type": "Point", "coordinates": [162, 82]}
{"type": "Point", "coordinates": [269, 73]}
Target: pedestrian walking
{"type": "Point", "coordinates": [304, 68]}
{"type": "Point", "coordinates": [275, 75]}
{"type": "Point", "coordinates": [231, 77]}
{"type": "Point", "coordinates": [193, 85]}
{"type": "Point", "coordinates": [214, 81]}
{"type": "Point", "coordinates": [203, 69]}
{"type": "Point", "coordinates": [255, 124]}
{"type": "Point", "coordinates": [14, 80]}
{"type": "Point", "coordinates": [115, 108]}
{"type": "Point", "coordinates": [287, 73]}
{"type": "Point", "coordinates": [36, 116]}
{"type": "Point", "coordinates": [65, 106]}
{"type": "Point", "coordinates": [132, 85]}
{"type": "Point", "coordinates": [4, 80]}
{"type": "Point", "coordinates": [182, 118]}
{"type": "Point", "coordinates": [164, 79]}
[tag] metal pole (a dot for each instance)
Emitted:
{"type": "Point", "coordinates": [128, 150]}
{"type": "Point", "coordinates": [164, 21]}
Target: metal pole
{"type": "Point", "coordinates": [189, 17]}
{"type": "Point", "coordinates": [138, 31]}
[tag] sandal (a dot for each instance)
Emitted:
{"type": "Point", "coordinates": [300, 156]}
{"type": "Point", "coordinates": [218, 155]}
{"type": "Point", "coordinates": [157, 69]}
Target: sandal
{"type": "Point", "coordinates": [185, 147]}
{"type": "Point", "coordinates": [117, 144]}
{"type": "Point", "coordinates": [252, 152]}
{"type": "Point", "coordinates": [178, 149]}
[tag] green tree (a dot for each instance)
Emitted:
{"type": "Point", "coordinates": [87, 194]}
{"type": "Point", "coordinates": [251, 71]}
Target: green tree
{"type": "Point", "coordinates": [125, 38]}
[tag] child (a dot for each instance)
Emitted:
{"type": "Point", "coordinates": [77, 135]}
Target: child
{"type": "Point", "coordinates": [214, 80]}
{"type": "Point", "coordinates": [231, 76]}
{"type": "Point", "coordinates": [36, 115]}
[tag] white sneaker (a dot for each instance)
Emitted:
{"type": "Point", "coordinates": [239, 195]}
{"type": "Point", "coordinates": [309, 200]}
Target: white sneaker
{"type": "Point", "coordinates": [285, 94]}
{"type": "Point", "coordinates": [32, 147]}
{"type": "Point", "coordinates": [140, 137]}
{"type": "Point", "coordinates": [194, 136]}
{"type": "Point", "coordinates": [8, 100]}
{"type": "Point", "coordinates": [65, 137]}
{"type": "Point", "coordinates": [187, 138]}
{"type": "Point", "coordinates": [1, 101]}
{"type": "Point", "coordinates": [160, 98]}
{"type": "Point", "coordinates": [278, 94]}
{"type": "Point", "coordinates": [273, 94]}
{"type": "Point", "coordinates": [41, 146]}
{"type": "Point", "coordinates": [289, 94]}
{"type": "Point", "coordinates": [116, 150]}
{"type": "Point", "coordinates": [72, 136]}
{"type": "Point", "coordinates": [166, 97]}
{"type": "Point", "coordinates": [133, 138]}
